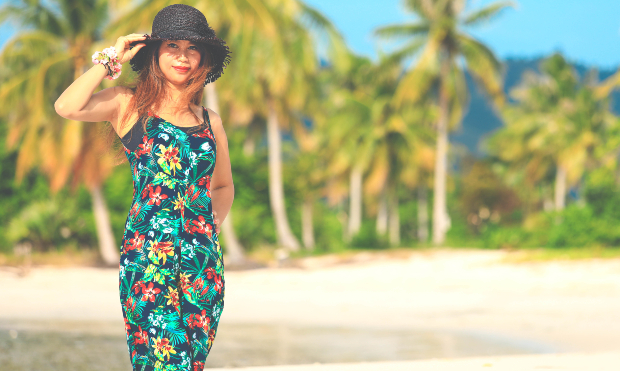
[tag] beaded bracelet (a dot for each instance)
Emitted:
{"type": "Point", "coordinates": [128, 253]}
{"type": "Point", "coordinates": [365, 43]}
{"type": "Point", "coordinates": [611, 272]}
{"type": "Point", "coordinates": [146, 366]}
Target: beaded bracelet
{"type": "Point", "coordinates": [108, 59]}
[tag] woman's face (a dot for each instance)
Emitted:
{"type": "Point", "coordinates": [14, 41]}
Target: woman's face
{"type": "Point", "coordinates": [178, 60]}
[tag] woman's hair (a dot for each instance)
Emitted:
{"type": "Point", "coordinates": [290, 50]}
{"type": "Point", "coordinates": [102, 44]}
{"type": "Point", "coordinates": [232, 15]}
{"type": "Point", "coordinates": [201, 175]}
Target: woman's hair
{"type": "Point", "coordinates": [149, 90]}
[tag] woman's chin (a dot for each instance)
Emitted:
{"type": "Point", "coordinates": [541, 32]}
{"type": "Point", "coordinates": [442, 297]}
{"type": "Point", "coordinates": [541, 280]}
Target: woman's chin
{"type": "Point", "coordinates": [177, 81]}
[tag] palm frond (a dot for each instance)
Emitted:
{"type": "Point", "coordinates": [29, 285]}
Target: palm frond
{"type": "Point", "coordinates": [484, 66]}
{"type": "Point", "coordinates": [402, 30]}
{"type": "Point", "coordinates": [423, 8]}
{"type": "Point", "coordinates": [418, 81]}
{"type": "Point", "coordinates": [487, 13]}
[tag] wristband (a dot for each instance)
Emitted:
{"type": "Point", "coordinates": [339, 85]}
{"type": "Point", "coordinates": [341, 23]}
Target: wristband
{"type": "Point", "coordinates": [109, 60]}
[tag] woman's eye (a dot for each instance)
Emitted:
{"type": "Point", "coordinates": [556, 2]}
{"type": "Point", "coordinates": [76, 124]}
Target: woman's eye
{"type": "Point", "coordinates": [193, 47]}
{"type": "Point", "coordinates": [172, 45]}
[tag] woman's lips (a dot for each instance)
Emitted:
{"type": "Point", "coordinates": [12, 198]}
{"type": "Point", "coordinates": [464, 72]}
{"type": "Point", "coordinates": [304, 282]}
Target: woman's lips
{"type": "Point", "coordinates": [181, 69]}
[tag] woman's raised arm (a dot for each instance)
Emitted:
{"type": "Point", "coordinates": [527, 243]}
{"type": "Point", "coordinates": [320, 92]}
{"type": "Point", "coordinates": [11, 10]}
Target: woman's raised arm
{"type": "Point", "coordinates": [79, 103]}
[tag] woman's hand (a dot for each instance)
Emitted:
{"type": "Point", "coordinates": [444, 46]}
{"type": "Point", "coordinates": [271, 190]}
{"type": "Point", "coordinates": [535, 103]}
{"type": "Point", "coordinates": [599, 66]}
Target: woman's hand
{"type": "Point", "coordinates": [123, 51]}
{"type": "Point", "coordinates": [217, 222]}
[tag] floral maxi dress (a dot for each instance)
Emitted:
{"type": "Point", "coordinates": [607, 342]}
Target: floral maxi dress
{"type": "Point", "coordinates": [171, 276]}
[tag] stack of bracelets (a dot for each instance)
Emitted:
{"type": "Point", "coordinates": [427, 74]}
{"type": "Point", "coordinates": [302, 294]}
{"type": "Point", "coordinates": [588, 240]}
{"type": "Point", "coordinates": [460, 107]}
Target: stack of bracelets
{"type": "Point", "coordinates": [108, 59]}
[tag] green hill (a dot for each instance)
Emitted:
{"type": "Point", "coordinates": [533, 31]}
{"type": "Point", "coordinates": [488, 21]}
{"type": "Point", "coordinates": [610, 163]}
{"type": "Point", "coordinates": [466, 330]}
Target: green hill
{"type": "Point", "coordinates": [481, 119]}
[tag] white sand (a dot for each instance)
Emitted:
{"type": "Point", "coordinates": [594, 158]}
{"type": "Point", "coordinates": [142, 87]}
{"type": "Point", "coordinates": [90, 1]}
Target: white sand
{"type": "Point", "coordinates": [555, 307]}
{"type": "Point", "coordinates": [585, 362]}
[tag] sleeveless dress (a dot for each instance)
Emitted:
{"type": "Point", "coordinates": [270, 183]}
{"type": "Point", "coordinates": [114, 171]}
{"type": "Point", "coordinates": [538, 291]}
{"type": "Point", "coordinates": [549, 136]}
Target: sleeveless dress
{"type": "Point", "coordinates": [171, 276]}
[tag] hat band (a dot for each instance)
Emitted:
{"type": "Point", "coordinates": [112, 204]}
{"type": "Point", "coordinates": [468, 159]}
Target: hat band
{"type": "Point", "coordinates": [179, 33]}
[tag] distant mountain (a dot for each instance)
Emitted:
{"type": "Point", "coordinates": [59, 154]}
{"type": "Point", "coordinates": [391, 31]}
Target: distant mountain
{"type": "Point", "coordinates": [481, 119]}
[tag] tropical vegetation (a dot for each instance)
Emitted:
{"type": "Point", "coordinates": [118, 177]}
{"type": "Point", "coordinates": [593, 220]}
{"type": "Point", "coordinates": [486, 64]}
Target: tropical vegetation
{"type": "Point", "coordinates": [330, 150]}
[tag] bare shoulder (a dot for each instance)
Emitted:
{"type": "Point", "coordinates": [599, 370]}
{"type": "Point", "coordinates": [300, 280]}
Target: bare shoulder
{"type": "Point", "coordinates": [216, 123]}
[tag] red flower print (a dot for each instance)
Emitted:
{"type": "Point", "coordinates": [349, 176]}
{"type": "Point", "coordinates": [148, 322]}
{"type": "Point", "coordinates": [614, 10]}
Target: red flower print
{"type": "Point", "coordinates": [193, 195]}
{"type": "Point", "coordinates": [218, 284]}
{"type": "Point", "coordinates": [210, 273]}
{"type": "Point", "coordinates": [199, 320]}
{"type": "Point", "coordinates": [156, 196]}
{"type": "Point", "coordinates": [201, 226]}
{"type": "Point", "coordinates": [211, 337]}
{"type": "Point", "coordinates": [188, 226]}
{"type": "Point", "coordinates": [127, 325]}
{"type": "Point", "coordinates": [136, 286]}
{"type": "Point", "coordinates": [205, 181]}
{"type": "Point", "coordinates": [170, 153]}
{"type": "Point", "coordinates": [198, 366]}
{"type": "Point", "coordinates": [136, 242]}
{"type": "Point", "coordinates": [201, 134]}
{"type": "Point", "coordinates": [145, 147]}
{"type": "Point", "coordinates": [130, 304]}
{"type": "Point", "coordinates": [146, 191]}
{"type": "Point", "coordinates": [148, 293]}
{"type": "Point", "coordinates": [141, 337]}
{"type": "Point", "coordinates": [198, 284]}
{"type": "Point", "coordinates": [161, 249]}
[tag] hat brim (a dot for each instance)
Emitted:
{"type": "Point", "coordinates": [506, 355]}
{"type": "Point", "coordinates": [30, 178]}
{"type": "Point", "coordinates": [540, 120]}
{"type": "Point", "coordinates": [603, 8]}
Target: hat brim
{"type": "Point", "coordinates": [217, 48]}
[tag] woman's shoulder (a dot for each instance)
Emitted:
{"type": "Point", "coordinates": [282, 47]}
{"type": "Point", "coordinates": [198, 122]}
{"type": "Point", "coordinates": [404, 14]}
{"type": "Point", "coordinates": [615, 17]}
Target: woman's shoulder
{"type": "Point", "coordinates": [215, 120]}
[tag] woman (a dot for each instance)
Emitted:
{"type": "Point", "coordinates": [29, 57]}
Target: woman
{"type": "Point", "coordinates": [171, 271]}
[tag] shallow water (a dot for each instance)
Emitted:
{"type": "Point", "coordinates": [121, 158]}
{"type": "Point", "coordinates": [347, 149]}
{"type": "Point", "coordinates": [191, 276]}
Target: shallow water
{"type": "Point", "coordinates": [81, 346]}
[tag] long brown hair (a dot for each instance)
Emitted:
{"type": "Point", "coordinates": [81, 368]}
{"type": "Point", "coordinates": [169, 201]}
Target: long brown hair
{"type": "Point", "coordinates": [149, 91]}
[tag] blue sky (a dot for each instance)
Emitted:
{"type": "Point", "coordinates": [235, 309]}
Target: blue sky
{"type": "Point", "coordinates": [586, 31]}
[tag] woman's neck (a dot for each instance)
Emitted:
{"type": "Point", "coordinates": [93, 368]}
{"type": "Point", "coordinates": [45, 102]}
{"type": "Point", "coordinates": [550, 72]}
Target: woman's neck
{"type": "Point", "coordinates": [171, 102]}
{"type": "Point", "coordinates": [173, 92]}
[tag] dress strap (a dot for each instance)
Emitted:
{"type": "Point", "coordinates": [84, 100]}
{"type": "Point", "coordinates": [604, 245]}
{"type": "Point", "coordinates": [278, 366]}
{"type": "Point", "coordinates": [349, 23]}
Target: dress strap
{"type": "Point", "coordinates": [205, 116]}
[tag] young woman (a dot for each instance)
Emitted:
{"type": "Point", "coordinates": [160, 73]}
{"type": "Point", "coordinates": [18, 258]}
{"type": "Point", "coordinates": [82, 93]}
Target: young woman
{"type": "Point", "coordinates": [171, 277]}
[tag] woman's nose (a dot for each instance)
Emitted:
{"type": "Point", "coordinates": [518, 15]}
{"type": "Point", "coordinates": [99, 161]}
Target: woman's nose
{"type": "Point", "coordinates": [183, 55]}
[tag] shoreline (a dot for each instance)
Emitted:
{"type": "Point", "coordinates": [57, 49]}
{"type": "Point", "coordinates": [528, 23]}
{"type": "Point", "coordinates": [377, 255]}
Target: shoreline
{"type": "Point", "coordinates": [567, 307]}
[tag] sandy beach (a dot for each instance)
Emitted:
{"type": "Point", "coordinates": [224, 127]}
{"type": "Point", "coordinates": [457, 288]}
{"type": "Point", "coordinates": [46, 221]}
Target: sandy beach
{"type": "Point", "coordinates": [559, 315]}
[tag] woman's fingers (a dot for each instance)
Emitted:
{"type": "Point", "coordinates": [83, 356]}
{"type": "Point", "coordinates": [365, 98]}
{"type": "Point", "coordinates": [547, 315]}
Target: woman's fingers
{"type": "Point", "coordinates": [123, 42]}
{"type": "Point", "coordinates": [123, 48]}
{"type": "Point", "coordinates": [217, 222]}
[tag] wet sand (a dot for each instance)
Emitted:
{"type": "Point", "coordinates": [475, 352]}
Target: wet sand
{"type": "Point", "coordinates": [553, 307]}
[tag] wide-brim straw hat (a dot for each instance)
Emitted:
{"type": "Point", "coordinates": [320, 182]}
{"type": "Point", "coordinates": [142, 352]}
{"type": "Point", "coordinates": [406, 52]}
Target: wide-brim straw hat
{"type": "Point", "coordinates": [184, 22]}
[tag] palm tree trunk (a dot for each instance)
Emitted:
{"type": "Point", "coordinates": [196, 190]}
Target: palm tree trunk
{"type": "Point", "coordinates": [394, 219]}
{"type": "Point", "coordinates": [108, 249]}
{"type": "Point", "coordinates": [440, 212]}
{"type": "Point", "coordinates": [422, 213]}
{"type": "Point", "coordinates": [560, 188]}
{"type": "Point", "coordinates": [276, 187]}
{"type": "Point", "coordinates": [343, 217]}
{"type": "Point", "coordinates": [234, 248]}
{"type": "Point", "coordinates": [355, 201]}
{"type": "Point", "coordinates": [249, 146]}
{"type": "Point", "coordinates": [382, 214]}
{"type": "Point", "coordinates": [307, 230]}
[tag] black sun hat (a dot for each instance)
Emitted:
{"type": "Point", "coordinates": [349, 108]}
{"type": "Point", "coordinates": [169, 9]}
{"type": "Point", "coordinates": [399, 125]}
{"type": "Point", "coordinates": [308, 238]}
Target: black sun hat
{"type": "Point", "coordinates": [184, 22]}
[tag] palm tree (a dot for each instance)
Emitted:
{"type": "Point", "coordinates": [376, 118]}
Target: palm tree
{"type": "Point", "coordinates": [441, 42]}
{"type": "Point", "coordinates": [558, 123]}
{"type": "Point", "coordinates": [346, 129]}
{"type": "Point", "coordinates": [277, 69]}
{"type": "Point", "coordinates": [49, 53]}
{"type": "Point", "coordinates": [364, 133]}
